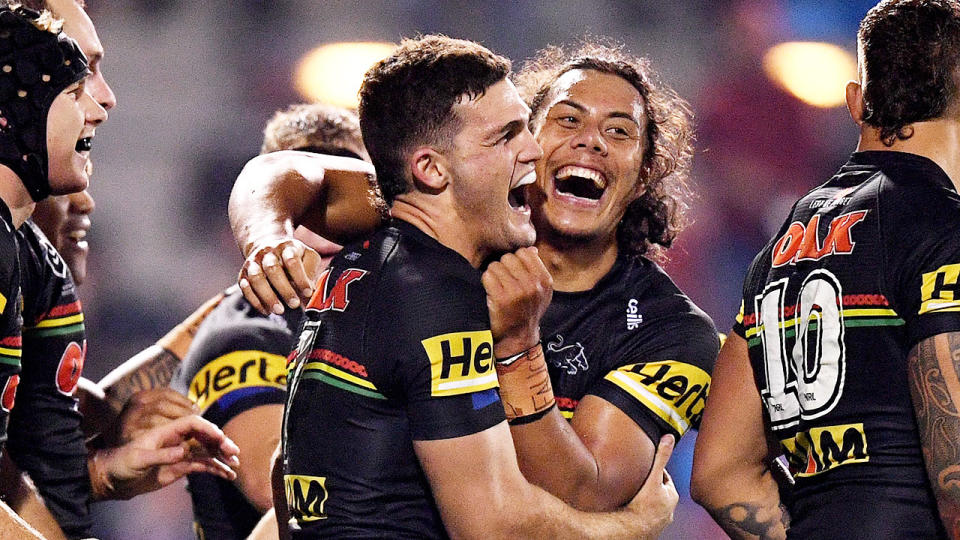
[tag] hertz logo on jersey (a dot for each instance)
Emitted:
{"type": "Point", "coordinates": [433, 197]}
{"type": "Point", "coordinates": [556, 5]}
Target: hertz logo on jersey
{"type": "Point", "coordinates": [236, 370]}
{"type": "Point", "coordinates": [820, 449]}
{"type": "Point", "coordinates": [461, 363]}
{"type": "Point", "coordinates": [306, 496]}
{"type": "Point", "coordinates": [940, 290]}
{"type": "Point", "coordinates": [674, 391]}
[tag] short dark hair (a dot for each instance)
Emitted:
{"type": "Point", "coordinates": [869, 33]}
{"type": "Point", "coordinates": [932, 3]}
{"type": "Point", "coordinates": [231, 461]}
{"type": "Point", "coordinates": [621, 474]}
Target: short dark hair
{"type": "Point", "coordinates": [317, 127]}
{"type": "Point", "coordinates": [653, 220]}
{"type": "Point", "coordinates": [39, 5]}
{"type": "Point", "coordinates": [911, 54]}
{"type": "Point", "coordinates": [406, 100]}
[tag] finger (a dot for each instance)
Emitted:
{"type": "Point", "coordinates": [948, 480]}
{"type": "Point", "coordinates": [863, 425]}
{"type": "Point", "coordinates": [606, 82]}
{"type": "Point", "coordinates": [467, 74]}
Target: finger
{"type": "Point", "coordinates": [263, 288]}
{"type": "Point", "coordinates": [293, 264]}
{"type": "Point", "coordinates": [145, 458]}
{"type": "Point", "coordinates": [664, 450]}
{"type": "Point", "coordinates": [249, 295]}
{"type": "Point", "coordinates": [491, 279]}
{"type": "Point", "coordinates": [164, 410]}
{"type": "Point", "coordinates": [277, 275]}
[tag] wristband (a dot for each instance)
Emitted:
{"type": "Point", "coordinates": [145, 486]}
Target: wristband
{"type": "Point", "coordinates": [525, 387]}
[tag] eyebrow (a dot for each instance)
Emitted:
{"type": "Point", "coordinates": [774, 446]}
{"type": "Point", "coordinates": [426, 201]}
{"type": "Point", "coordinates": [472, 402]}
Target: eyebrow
{"type": "Point", "coordinates": [581, 108]}
{"type": "Point", "coordinates": [509, 127]}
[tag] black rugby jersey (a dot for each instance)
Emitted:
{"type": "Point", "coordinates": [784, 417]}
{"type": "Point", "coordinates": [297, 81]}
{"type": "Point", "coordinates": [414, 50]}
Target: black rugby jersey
{"type": "Point", "coordinates": [636, 341]}
{"type": "Point", "coordinates": [865, 266]}
{"type": "Point", "coordinates": [237, 362]}
{"type": "Point", "coordinates": [10, 319]}
{"type": "Point", "coordinates": [45, 437]}
{"type": "Point", "coordinates": [396, 347]}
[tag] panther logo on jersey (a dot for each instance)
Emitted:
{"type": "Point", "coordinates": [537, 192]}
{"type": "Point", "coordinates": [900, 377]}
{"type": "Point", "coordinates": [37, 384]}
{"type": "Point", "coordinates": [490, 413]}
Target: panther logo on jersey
{"type": "Point", "coordinates": [9, 393]}
{"type": "Point", "coordinates": [70, 367]}
{"type": "Point", "coordinates": [571, 358]}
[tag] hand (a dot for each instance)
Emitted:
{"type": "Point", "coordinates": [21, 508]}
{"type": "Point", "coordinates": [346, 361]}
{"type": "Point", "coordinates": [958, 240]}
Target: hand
{"type": "Point", "coordinates": [656, 500]}
{"type": "Point", "coordinates": [160, 456]}
{"type": "Point", "coordinates": [519, 289]}
{"type": "Point", "coordinates": [148, 409]}
{"type": "Point", "coordinates": [179, 338]}
{"type": "Point", "coordinates": [279, 267]}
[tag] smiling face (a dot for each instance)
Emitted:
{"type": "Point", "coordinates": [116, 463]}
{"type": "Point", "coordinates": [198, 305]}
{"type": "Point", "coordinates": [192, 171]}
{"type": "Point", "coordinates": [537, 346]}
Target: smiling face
{"type": "Point", "coordinates": [71, 122]}
{"type": "Point", "coordinates": [77, 25]}
{"type": "Point", "coordinates": [65, 220]}
{"type": "Point", "coordinates": [491, 158]}
{"type": "Point", "coordinates": [592, 132]}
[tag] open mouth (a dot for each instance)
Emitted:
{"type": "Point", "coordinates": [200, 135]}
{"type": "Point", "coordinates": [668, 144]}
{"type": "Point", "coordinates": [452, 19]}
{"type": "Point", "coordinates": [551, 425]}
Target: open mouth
{"type": "Point", "coordinates": [84, 144]}
{"type": "Point", "coordinates": [580, 182]}
{"type": "Point", "coordinates": [517, 197]}
{"type": "Point", "coordinates": [77, 235]}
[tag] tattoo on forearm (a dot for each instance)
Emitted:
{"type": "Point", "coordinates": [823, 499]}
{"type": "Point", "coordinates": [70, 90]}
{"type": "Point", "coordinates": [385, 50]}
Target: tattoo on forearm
{"type": "Point", "coordinates": [156, 372]}
{"type": "Point", "coordinates": [935, 387]}
{"type": "Point", "coordinates": [746, 520]}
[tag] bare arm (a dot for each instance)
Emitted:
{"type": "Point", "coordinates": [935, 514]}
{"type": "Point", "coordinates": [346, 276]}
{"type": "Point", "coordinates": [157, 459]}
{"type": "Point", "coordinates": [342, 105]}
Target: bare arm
{"type": "Point", "coordinates": [256, 432]}
{"type": "Point", "coordinates": [274, 194]}
{"type": "Point", "coordinates": [730, 477]}
{"type": "Point", "coordinates": [482, 494]}
{"type": "Point", "coordinates": [933, 367]}
{"type": "Point", "coordinates": [13, 526]}
{"type": "Point", "coordinates": [19, 492]}
{"type": "Point", "coordinates": [281, 512]}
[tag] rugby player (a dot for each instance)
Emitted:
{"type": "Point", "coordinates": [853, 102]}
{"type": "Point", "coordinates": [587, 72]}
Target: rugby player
{"type": "Point", "coordinates": [626, 353]}
{"type": "Point", "coordinates": [235, 336]}
{"type": "Point", "coordinates": [396, 358]}
{"type": "Point", "coordinates": [45, 436]}
{"type": "Point", "coordinates": [844, 354]}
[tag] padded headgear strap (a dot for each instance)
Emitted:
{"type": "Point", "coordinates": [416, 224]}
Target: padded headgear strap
{"type": "Point", "coordinates": [37, 62]}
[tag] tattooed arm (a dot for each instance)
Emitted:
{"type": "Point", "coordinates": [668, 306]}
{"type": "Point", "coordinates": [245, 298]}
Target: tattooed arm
{"type": "Point", "coordinates": [151, 368]}
{"type": "Point", "coordinates": [933, 367]}
{"type": "Point", "coordinates": [731, 478]}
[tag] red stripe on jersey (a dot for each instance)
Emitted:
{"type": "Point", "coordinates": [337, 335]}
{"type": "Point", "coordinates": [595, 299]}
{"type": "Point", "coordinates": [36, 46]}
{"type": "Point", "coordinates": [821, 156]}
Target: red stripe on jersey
{"type": "Point", "coordinates": [567, 404]}
{"type": "Point", "coordinates": [12, 341]}
{"type": "Point", "coordinates": [63, 310]}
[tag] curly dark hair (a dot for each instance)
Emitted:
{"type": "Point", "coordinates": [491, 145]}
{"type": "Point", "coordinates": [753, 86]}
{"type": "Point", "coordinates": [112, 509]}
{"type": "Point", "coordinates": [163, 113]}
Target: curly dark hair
{"type": "Point", "coordinates": [653, 220]}
{"type": "Point", "coordinates": [910, 50]}
{"type": "Point", "coordinates": [406, 100]}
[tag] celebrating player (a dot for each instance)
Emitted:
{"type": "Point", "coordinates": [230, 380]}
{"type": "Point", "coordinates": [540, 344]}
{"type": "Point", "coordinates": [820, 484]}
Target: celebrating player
{"type": "Point", "coordinates": [844, 354]}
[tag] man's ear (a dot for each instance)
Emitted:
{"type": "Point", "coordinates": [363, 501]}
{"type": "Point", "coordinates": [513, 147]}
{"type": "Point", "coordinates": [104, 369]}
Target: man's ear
{"type": "Point", "coordinates": [855, 101]}
{"type": "Point", "coordinates": [429, 169]}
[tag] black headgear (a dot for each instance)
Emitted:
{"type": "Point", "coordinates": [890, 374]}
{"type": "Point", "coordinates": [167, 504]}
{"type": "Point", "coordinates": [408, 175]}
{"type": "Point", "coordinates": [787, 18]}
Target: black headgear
{"type": "Point", "coordinates": [37, 62]}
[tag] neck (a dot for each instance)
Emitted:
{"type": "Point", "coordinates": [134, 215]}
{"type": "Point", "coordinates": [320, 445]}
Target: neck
{"type": "Point", "coordinates": [576, 266]}
{"type": "Point", "coordinates": [15, 195]}
{"type": "Point", "coordinates": [937, 140]}
{"type": "Point", "coordinates": [443, 225]}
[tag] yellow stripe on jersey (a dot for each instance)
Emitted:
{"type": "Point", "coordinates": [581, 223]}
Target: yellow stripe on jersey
{"type": "Point", "coordinates": [3, 303]}
{"type": "Point", "coordinates": [739, 317]}
{"type": "Point", "coordinates": [940, 290]}
{"type": "Point", "coordinates": [65, 321]}
{"type": "Point", "coordinates": [674, 391]}
{"type": "Point", "coordinates": [4, 351]}
{"type": "Point", "coordinates": [461, 363]}
{"type": "Point", "coordinates": [340, 374]}
{"type": "Point", "coordinates": [236, 370]}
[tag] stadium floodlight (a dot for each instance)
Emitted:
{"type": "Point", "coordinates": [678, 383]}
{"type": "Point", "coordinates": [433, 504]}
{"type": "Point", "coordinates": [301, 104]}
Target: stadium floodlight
{"type": "Point", "coordinates": [815, 73]}
{"type": "Point", "coordinates": [332, 73]}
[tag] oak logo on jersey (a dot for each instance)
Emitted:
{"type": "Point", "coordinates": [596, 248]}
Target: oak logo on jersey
{"type": "Point", "coordinates": [337, 299]}
{"type": "Point", "coordinates": [800, 243]}
{"type": "Point", "coordinates": [820, 449]}
{"type": "Point", "coordinates": [940, 290]}
{"type": "Point", "coordinates": [460, 363]}
{"type": "Point", "coordinates": [9, 393]}
{"type": "Point", "coordinates": [674, 391]}
{"type": "Point", "coordinates": [236, 370]}
{"type": "Point", "coordinates": [306, 496]}
{"type": "Point", "coordinates": [570, 359]}
{"type": "Point", "coordinates": [70, 367]}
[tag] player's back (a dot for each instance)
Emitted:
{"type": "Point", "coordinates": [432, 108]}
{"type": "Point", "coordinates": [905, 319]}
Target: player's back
{"type": "Point", "coordinates": [396, 348]}
{"type": "Point", "coordinates": [832, 307]}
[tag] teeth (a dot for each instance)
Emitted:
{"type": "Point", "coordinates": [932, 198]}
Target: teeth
{"type": "Point", "coordinates": [77, 235]}
{"type": "Point", "coordinates": [527, 179]}
{"type": "Point", "coordinates": [590, 174]}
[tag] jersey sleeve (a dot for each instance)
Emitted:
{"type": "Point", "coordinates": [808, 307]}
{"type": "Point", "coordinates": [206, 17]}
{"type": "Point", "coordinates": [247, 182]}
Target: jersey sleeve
{"type": "Point", "coordinates": [10, 324]}
{"type": "Point", "coordinates": [446, 368]}
{"type": "Point", "coordinates": [234, 368]}
{"type": "Point", "coordinates": [663, 385]}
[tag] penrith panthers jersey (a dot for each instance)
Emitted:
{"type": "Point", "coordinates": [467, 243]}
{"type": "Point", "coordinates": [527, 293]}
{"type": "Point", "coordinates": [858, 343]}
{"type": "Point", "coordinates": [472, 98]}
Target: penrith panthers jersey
{"type": "Point", "coordinates": [10, 319]}
{"type": "Point", "coordinates": [237, 362]}
{"type": "Point", "coordinates": [636, 341]}
{"type": "Point", "coordinates": [45, 437]}
{"type": "Point", "coordinates": [865, 267]}
{"type": "Point", "coordinates": [396, 347]}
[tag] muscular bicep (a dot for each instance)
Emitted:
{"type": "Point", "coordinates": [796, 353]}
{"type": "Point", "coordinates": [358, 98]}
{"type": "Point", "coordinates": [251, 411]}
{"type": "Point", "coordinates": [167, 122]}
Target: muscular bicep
{"type": "Point", "coordinates": [256, 432]}
{"type": "Point", "coordinates": [933, 368]}
{"type": "Point", "coordinates": [623, 451]}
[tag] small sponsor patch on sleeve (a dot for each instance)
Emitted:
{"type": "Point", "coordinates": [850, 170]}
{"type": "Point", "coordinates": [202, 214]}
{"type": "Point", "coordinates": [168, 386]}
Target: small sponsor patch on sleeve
{"type": "Point", "coordinates": [940, 290]}
{"type": "Point", "coordinates": [236, 370]}
{"type": "Point", "coordinates": [674, 391]}
{"type": "Point", "coordinates": [306, 496]}
{"type": "Point", "coordinates": [461, 363]}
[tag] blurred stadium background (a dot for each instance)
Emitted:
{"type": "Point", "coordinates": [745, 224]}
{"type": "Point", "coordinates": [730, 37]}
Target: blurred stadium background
{"type": "Point", "coordinates": [196, 81]}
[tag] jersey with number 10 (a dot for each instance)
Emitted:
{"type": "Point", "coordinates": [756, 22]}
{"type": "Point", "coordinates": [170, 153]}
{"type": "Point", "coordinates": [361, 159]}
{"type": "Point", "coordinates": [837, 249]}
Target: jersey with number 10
{"type": "Point", "coordinates": [865, 267]}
